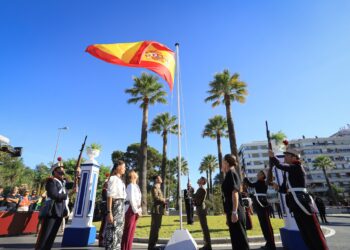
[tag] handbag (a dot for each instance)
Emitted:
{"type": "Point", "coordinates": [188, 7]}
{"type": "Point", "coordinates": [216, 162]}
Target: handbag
{"type": "Point", "coordinates": [46, 209]}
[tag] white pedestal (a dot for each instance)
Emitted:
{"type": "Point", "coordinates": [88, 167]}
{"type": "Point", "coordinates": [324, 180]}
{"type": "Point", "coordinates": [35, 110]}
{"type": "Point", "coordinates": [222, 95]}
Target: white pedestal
{"type": "Point", "coordinates": [81, 232]}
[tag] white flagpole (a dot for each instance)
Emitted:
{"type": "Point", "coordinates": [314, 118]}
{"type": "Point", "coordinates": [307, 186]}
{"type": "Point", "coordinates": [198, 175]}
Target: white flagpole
{"type": "Point", "coordinates": [179, 130]}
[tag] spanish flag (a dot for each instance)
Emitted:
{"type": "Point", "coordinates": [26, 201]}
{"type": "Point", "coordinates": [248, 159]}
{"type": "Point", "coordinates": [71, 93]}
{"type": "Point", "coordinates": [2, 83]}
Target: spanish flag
{"type": "Point", "coordinates": [145, 54]}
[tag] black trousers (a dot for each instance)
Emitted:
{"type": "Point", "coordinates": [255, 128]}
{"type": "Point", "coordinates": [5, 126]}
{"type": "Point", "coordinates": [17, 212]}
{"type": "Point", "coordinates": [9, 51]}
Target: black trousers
{"type": "Point", "coordinates": [156, 222]}
{"type": "Point", "coordinates": [202, 216]}
{"type": "Point", "coordinates": [238, 234]}
{"type": "Point", "coordinates": [48, 232]}
{"type": "Point", "coordinates": [323, 215]}
{"type": "Point", "coordinates": [309, 227]}
{"type": "Point", "coordinates": [265, 225]}
{"type": "Point", "coordinates": [189, 210]}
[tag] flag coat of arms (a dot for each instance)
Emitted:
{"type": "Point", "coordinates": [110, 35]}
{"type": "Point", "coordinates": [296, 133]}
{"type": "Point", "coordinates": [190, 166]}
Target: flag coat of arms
{"type": "Point", "coordinates": [144, 54]}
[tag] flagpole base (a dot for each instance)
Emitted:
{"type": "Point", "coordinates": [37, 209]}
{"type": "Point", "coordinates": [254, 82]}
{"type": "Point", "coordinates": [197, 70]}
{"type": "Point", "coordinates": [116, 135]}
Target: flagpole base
{"type": "Point", "coordinates": [181, 239]}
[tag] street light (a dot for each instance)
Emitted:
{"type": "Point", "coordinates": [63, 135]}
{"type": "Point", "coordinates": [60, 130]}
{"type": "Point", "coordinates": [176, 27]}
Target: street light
{"type": "Point", "coordinates": [58, 138]}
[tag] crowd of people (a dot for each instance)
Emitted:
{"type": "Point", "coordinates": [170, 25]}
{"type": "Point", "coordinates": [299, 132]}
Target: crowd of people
{"type": "Point", "coordinates": [121, 205]}
{"type": "Point", "coordinates": [20, 200]}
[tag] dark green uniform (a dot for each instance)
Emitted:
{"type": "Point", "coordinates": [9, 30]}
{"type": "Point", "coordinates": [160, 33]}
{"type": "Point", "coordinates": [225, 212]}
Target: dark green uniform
{"type": "Point", "coordinates": [157, 214]}
{"type": "Point", "coordinates": [199, 199]}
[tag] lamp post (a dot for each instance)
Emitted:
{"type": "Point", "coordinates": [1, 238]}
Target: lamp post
{"type": "Point", "coordinates": [58, 138]}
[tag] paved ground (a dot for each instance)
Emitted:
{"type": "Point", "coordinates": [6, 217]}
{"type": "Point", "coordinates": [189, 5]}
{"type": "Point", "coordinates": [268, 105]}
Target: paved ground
{"type": "Point", "coordinates": [340, 240]}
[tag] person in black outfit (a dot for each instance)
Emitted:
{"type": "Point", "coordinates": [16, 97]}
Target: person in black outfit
{"type": "Point", "coordinates": [101, 232]}
{"type": "Point", "coordinates": [321, 209]}
{"type": "Point", "coordinates": [188, 195]}
{"type": "Point", "coordinates": [13, 199]}
{"type": "Point", "coordinates": [298, 200]}
{"type": "Point", "coordinates": [232, 201]}
{"type": "Point", "coordinates": [262, 208]}
{"type": "Point", "coordinates": [56, 192]}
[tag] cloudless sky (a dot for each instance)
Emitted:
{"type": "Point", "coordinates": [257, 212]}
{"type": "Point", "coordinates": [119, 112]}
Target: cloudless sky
{"type": "Point", "coordinates": [294, 56]}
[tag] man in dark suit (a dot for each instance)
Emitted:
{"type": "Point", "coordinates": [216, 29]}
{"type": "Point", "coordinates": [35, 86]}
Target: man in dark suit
{"type": "Point", "coordinates": [188, 195]}
{"type": "Point", "coordinates": [56, 194]}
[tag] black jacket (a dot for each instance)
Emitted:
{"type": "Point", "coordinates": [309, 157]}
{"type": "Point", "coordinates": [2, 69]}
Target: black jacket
{"type": "Point", "coordinates": [53, 188]}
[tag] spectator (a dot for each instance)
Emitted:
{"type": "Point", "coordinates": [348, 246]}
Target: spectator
{"type": "Point", "coordinates": [271, 211]}
{"type": "Point", "coordinates": [24, 202]}
{"type": "Point", "coordinates": [33, 201]}
{"type": "Point", "coordinates": [12, 200]}
{"type": "Point", "coordinates": [2, 199]}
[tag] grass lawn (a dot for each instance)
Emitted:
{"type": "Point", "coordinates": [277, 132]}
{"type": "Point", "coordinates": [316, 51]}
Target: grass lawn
{"type": "Point", "coordinates": [216, 224]}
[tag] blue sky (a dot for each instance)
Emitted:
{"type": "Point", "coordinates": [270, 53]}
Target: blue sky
{"type": "Point", "coordinates": [294, 56]}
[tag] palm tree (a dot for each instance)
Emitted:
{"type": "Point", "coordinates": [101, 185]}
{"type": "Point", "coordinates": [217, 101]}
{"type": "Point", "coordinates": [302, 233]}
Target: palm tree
{"type": "Point", "coordinates": [209, 163]}
{"type": "Point", "coordinates": [173, 168]}
{"type": "Point", "coordinates": [323, 162]}
{"type": "Point", "coordinates": [227, 88]}
{"type": "Point", "coordinates": [215, 129]}
{"type": "Point", "coordinates": [148, 91]}
{"type": "Point", "coordinates": [164, 124]}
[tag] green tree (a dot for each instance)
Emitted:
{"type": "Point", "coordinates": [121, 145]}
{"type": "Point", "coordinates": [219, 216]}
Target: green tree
{"type": "Point", "coordinates": [164, 124]}
{"type": "Point", "coordinates": [215, 129]}
{"type": "Point", "coordinates": [324, 163]}
{"type": "Point", "coordinates": [278, 137]}
{"type": "Point", "coordinates": [117, 155]}
{"type": "Point", "coordinates": [147, 91]}
{"type": "Point", "coordinates": [42, 172]}
{"type": "Point", "coordinates": [154, 159]}
{"type": "Point", "coordinates": [209, 164]}
{"type": "Point", "coordinates": [173, 168]}
{"type": "Point", "coordinates": [227, 88]}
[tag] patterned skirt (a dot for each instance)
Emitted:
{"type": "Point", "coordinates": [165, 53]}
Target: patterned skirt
{"type": "Point", "coordinates": [114, 231]}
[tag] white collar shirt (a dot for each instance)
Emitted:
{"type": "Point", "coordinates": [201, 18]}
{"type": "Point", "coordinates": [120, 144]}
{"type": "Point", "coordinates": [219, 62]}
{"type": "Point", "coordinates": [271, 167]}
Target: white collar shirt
{"type": "Point", "coordinates": [133, 195]}
{"type": "Point", "coordinates": [116, 188]}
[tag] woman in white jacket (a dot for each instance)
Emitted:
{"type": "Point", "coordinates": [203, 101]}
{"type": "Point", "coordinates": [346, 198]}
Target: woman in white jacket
{"type": "Point", "coordinates": [133, 210]}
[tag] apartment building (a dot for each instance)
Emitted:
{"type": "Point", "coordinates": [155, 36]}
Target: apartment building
{"type": "Point", "coordinates": [337, 146]}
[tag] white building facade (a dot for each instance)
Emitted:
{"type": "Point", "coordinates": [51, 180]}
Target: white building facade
{"type": "Point", "coordinates": [253, 157]}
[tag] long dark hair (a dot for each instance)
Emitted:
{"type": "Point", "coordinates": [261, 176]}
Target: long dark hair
{"type": "Point", "coordinates": [231, 160]}
{"type": "Point", "coordinates": [116, 165]}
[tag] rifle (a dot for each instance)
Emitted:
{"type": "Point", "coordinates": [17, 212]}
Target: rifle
{"type": "Point", "coordinates": [77, 167]}
{"type": "Point", "coordinates": [269, 173]}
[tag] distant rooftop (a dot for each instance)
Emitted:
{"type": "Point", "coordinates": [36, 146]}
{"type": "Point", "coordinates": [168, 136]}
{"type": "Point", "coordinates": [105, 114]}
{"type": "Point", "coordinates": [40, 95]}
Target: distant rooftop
{"type": "Point", "coordinates": [343, 132]}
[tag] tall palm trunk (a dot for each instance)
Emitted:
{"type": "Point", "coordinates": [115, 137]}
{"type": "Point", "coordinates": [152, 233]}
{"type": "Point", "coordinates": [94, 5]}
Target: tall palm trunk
{"type": "Point", "coordinates": [208, 185]}
{"type": "Point", "coordinates": [231, 132]}
{"type": "Point", "coordinates": [164, 158]}
{"type": "Point", "coordinates": [143, 157]}
{"type": "Point", "coordinates": [218, 142]}
{"type": "Point", "coordinates": [330, 189]}
{"type": "Point", "coordinates": [211, 184]}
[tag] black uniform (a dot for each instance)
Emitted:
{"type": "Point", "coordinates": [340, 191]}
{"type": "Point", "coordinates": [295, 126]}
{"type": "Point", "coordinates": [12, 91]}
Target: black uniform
{"type": "Point", "coordinates": [238, 234]}
{"type": "Point", "coordinates": [261, 207]}
{"type": "Point", "coordinates": [188, 195]}
{"type": "Point", "coordinates": [51, 223]}
{"type": "Point", "coordinates": [308, 225]}
{"type": "Point", "coordinates": [321, 209]}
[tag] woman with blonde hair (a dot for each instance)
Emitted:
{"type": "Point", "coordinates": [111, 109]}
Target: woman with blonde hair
{"type": "Point", "coordinates": [133, 210]}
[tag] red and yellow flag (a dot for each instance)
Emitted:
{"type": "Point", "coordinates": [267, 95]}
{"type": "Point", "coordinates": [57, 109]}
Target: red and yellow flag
{"type": "Point", "coordinates": [145, 54]}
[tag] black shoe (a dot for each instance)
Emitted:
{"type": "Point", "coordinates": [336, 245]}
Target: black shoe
{"type": "Point", "coordinates": [205, 248]}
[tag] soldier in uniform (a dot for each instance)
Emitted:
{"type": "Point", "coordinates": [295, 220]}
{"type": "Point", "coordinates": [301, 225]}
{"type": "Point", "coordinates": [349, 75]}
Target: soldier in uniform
{"type": "Point", "coordinates": [261, 207]}
{"type": "Point", "coordinates": [56, 192]}
{"type": "Point", "coordinates": [321, 209]}
{"type": "Point", "coordinates": [299, 201]}
{"type": "Point", "coordinates": [188, 194]}
{"type": "Point", "coordinates": [199, 201]}
{"type": "Point", "coordinates": [157, 212]}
